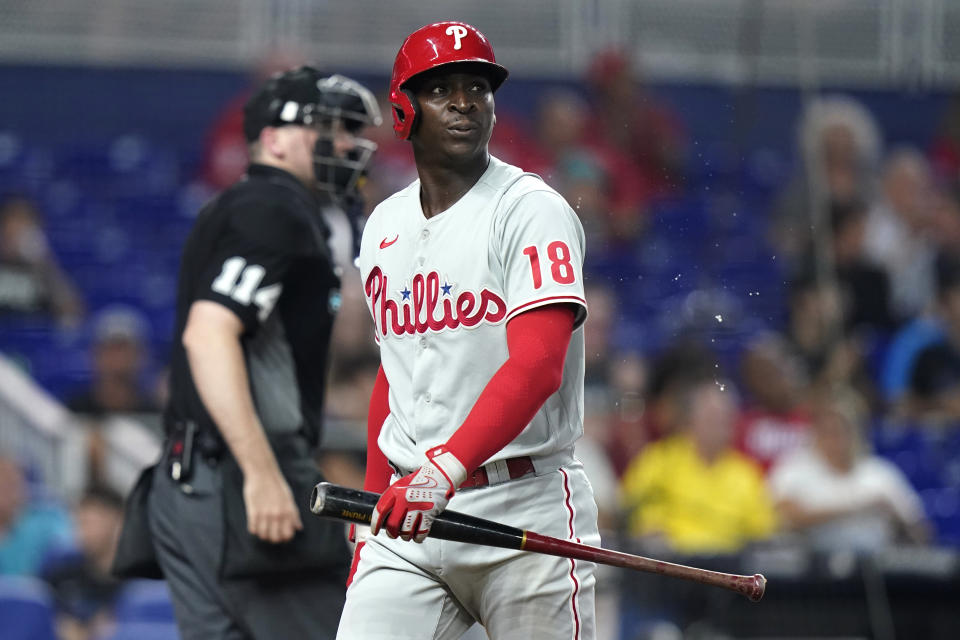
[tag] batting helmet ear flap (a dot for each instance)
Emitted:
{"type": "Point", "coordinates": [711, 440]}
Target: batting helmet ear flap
{"type": "Point", "coordinates": [405, 112]}
{"type": "Point", "coordinates": [415, 109]}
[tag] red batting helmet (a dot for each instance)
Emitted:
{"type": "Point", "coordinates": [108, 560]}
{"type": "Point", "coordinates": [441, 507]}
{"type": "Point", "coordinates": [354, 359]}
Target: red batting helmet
{"type": "Point", "coordinates": [430, 47]}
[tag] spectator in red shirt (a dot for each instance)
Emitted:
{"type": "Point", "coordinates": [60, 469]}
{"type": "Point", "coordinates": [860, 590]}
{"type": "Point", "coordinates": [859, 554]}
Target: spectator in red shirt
{"type": "Point", "coordinates": [582, 173]}
{"type": "Point", "coordinates": [630, 122]}
{"type": "Point", "coordinates": [944, 151]}
{"type": "Point", "coordinates": [774, 420]}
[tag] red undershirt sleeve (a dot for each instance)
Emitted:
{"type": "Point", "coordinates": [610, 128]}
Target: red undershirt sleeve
{"type": "Point", "coordinates": [537, 341]}
{"type": "Point", "coordinates": [378, 470]}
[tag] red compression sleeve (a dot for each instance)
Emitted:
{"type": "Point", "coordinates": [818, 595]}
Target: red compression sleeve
{"type": "Point", "coordinates": [378, 471]}
{"type": "Point", "coordinates": [537, 341]}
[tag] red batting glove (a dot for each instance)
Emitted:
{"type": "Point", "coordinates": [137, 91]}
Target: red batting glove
{"type": "Point", "coordinates": [357, 538]}
{"type": "Point", "coordinates": [408, 507]}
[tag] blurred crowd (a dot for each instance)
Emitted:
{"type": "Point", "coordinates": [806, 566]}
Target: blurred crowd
{"type": "Point", "coordinates": [833, 425]}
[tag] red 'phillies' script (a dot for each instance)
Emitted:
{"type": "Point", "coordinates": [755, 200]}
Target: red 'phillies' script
{"type": "Point", "coordinates": [417, 312]}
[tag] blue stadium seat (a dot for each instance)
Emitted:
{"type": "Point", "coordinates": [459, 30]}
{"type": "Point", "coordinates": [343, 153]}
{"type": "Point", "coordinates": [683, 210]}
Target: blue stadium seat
{"type": "Point", "coordinates": [889, 439]}
{"type": "Point", "coordinates": [684, 221]}
{"type": "Point", "coordinates": [26, 609]}
{"type": "Point", "coordinates": [714, 162]}
{"type": "Point", "coordinates": [765, 170]}
{"type": "Point", "coordinates": [931, 461]}
{"type": "Point", "coordinates": [11, 151]}
{"type": "Point", "coordinates": [24, 167]}
{"type": "Point", "coordinates": [144, 631]}
{"type": "Point", "coordinates": [942, 506]}
{"type": "Point", "coordinates": [145, 601]}
{"type": "Point", "coordinates": [920, 466]}
{"type": "Point", "coordinates": [950, 470]}
{"type": "Point", "coordinates": [86, 164]}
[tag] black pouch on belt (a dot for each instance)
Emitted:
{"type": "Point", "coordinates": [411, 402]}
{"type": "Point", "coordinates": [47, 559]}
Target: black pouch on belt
{"type": "Point", "coordinates": [135, 556]}
{"type": "Point", "coordinates": [320, 546]}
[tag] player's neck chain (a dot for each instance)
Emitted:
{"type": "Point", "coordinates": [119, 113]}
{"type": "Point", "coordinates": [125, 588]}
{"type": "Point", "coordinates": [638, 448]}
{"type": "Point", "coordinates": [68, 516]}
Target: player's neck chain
{"type": "Point", "coordinates": [428, 306]}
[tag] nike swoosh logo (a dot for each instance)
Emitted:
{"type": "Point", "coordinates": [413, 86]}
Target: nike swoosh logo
{"type": "Point", "coordinates": [425, 483]}
{"type": "Point", "coordinates": [384, 244]}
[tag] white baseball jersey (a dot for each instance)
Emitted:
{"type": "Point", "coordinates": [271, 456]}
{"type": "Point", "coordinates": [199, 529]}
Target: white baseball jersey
{"type": "Point", "coordinates": [441, 291]}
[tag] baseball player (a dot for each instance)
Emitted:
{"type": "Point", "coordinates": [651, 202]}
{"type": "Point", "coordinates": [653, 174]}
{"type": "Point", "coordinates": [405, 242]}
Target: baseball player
{"type": "Point", "coordinates": [473, 275]}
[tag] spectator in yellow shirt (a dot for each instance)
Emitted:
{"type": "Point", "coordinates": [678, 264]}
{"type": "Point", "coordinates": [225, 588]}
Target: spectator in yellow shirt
{"type": "Point", "coordinates": [693, 489]}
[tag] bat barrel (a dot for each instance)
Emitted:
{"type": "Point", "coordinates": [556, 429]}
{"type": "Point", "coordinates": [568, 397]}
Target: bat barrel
{"type": "Point", "coordinates": [750, 586]}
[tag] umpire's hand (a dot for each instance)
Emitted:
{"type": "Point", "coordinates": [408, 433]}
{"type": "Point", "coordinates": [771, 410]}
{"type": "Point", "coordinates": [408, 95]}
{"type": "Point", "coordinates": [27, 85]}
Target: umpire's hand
{"type": "Point", "coordinates": [272, 514]}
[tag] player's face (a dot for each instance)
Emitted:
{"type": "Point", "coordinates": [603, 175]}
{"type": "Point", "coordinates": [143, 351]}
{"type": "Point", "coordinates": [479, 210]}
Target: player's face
{"type": "Point", "coordinates": [456, 114]}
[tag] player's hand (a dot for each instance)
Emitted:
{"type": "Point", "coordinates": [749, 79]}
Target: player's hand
{"type": "Point", "coordinates": [272, 514]}
{"type": "Point", "coordinates": [357, 538]}
{"type": "Point", "coordinates": [408, 507]}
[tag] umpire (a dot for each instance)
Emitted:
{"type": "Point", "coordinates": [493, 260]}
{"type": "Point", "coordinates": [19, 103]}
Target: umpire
{"type": "Point", "coordinates": [257, 296]}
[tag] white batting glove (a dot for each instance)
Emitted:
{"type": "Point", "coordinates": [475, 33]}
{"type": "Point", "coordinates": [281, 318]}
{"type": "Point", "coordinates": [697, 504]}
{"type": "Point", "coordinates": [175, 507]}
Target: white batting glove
{"type": "Point", "coordinates": [408, 507]}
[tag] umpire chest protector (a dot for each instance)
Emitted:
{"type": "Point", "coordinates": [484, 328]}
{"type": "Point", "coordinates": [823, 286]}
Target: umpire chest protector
{"type": "Point", "coordinates": [260, 249]}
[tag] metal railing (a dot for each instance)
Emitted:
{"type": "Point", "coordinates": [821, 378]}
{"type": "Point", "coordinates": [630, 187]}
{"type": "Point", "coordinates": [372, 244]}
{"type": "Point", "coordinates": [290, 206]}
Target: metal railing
{"type": "Point", "coordinates": [54, 444]}
{"type": "Point", "coordinates": [850, 42]}
{"type": "Point", "coordinates": [36, 430]}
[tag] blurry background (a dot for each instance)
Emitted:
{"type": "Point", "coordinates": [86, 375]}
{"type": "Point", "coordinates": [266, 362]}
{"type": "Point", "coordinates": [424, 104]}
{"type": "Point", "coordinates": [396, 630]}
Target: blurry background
{"type": "Point", "coordinates": [770, 194]}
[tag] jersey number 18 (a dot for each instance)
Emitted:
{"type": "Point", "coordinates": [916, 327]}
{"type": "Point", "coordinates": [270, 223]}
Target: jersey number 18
{"type": "Point", "coordinates": [560, 268]}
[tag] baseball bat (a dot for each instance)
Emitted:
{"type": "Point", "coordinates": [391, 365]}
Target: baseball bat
{"type": "Point", "coordinates": [352, 505]}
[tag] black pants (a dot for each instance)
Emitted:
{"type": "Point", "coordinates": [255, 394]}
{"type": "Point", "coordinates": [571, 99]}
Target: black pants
{"type": "Point", "coordinates": [188, 535]}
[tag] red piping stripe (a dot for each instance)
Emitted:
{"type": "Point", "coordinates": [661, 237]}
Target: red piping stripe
{"type": "Point", "coordinates": [573, 576]}
{"type": "Point", "coordinates": [533, 302]}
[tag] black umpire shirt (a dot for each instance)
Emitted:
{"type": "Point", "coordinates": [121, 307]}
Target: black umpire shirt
{"type": "Point", "coordinates": [260, 249]}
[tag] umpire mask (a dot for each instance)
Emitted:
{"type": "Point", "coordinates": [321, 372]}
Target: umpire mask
{"type": "Point", "coordinates": [344, 109]}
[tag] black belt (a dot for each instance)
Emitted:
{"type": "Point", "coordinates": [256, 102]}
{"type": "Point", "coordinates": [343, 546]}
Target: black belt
{"type": "Point", "coordinates": [185, 442]}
